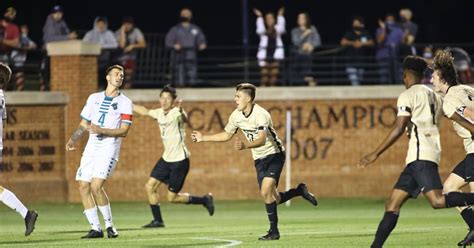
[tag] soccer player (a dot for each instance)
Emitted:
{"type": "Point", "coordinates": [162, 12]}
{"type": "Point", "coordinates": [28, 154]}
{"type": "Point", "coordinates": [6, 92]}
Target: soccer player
{"type": "Point", "coordinates": [457, 106]}
{"type": "Point", "coordinates": [173, 166]}
{"type": "Point", "coordinates": [107, 115]}
{"type": "Point", "coordinates": [419, 111]}
{"type": "Point", "coordinates": [6, 196]}
{"type": "Point", "coordinates": [267, 151]}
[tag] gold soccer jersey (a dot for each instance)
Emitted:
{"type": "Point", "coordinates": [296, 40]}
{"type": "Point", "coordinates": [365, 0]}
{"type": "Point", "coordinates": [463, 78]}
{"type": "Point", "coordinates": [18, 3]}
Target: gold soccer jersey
{"type": "Point", "coordinates": [258, 119]}
{"type": "Point", "coordinates": [424, 107]}
{"type": "Point", "coordinates": [457, 99]}
{"type": "Point", "coordinates": [172, 134]}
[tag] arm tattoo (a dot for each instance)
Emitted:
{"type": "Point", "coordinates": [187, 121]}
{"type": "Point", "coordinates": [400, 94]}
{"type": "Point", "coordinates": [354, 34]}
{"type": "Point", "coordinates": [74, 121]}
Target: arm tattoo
{"type": "Point", "coordinates": [78, 133]}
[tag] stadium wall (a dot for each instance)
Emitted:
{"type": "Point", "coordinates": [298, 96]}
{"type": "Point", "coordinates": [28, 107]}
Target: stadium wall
{"type": "Point", "coordinates": [332, 128]}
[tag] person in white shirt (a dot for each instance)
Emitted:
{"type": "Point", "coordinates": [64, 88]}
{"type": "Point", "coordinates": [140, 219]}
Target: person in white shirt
{"type": "Point", "coordinates": [107, 115]}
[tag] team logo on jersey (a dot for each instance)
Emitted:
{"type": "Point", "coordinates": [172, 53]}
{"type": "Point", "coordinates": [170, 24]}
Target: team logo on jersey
{"type": "Point", "coordinates": [114, 105]}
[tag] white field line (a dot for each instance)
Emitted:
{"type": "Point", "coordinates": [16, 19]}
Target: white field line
{"type": "Point", "coordinates": [231, 242]}
{"type": "Point", "coordinates": [86, 243]}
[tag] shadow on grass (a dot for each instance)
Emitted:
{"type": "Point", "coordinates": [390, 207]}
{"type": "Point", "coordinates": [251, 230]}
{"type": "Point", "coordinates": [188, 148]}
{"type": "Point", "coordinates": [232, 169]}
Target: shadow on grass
{"type": "Point", "coordinates": [33, 241]}
{"type": "Point", "coordinates": [185, 245]}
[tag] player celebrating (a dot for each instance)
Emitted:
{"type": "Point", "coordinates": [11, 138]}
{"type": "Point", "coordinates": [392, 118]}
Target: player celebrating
{"type": "Point", "coordinates": [173, 166]}
{"type": "Point", "coordinates": [267, 151]}
{"type": "Point", "coordinates": [108, 116]}
{"type": "Point", "coordinates": [458, 107]}
{"type": "Point", "coordinates": [6, 196]}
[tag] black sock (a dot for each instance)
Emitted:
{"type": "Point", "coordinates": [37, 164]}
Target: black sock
{"type": "Point", "coordinates": [272, 215]}
{"type": "Point", "coordinates": [468, 217]}
{"type": "Point", "coordinates": [458, 199]}
{"type": "Point", "coordinates": [386, 226]}
{"type": "Point", "coordinates": [155, 210]}
{"type": "Point", "coordinates": [285, 196]}
{"type": "Point", "coordinates": [197, 200]}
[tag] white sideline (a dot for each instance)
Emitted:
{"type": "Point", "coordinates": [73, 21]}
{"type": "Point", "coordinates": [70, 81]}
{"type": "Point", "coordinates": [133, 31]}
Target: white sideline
{"type": "Point", "coordinates": [371, 231]}
{"type": "Point", "coordinates": [231, 242]}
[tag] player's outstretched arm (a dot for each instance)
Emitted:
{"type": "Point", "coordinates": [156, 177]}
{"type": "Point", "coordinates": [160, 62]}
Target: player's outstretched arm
{"type": "Point", "coordinates": [116, 132]}
{"type": "Point", "coordinates": [140, 110]}
{"type": "Point", "coordinates": [397, 131]}
{"type": "Point", "coordinates": [218, 137]}
{"type": "Point", "coordinates": [183, 116]}
{"type": "Point", "coordinates": [83, 126]}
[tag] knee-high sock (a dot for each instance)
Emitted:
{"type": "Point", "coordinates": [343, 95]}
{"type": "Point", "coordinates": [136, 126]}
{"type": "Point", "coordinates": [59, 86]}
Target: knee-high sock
{"type": "Point", "coordinates": [93, 218]}
{"type": "Point", "coordinates": [468, 216]}
{"type": "Point", "coordinates": [272, 215]}
{"type": "Point", "coordinates": [458, 199]}
{"type": "Point", "coordinates": [386, 226]}
{"type": "Point", "coordinates": [12, 202]}
{"type": "Point", "coordinates": [156, 211]}
{"type": "Point", "coordinates": [107, 214]}
{"type": "Point", "coordinates": [285, 196]}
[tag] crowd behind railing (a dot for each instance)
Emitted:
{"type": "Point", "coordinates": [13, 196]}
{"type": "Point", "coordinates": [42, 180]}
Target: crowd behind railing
{"type": "Point", "coordinates": [296, 59]}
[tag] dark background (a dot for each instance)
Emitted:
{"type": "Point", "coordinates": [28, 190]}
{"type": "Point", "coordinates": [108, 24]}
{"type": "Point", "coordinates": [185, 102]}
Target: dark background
{"type": "Point", "coordinates": [221, 20]}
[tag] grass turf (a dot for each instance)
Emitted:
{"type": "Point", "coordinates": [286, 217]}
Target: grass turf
{"type": "Point", "coordinates": [334, 223]}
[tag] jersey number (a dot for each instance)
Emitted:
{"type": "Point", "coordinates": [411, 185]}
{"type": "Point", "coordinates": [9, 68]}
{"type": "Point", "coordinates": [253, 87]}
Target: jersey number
{"type": "Point", "coordinates": [102, 119]}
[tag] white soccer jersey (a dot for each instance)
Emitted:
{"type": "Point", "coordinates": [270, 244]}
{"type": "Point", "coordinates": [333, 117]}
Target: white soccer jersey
{"type": "Point", "coordinates": [458, 98]}
{"type": "Point", "coordinates": [110, 113]}
{"type": "Point", "coordinates": [172, 133]}
{"type": "Point", "coordinates": [3, 113]}
{"type": "Point", "coordinates": [258, 119]}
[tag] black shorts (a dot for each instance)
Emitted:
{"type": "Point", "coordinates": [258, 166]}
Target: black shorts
{"type": "Point", "coordinates": [171, 173]}
{"type": "Point", "coordinates": [270, 166]}
{"type": "Point", "coordinates": [419, 176]}
{"type": "Point", "coordinates": [465, 168]}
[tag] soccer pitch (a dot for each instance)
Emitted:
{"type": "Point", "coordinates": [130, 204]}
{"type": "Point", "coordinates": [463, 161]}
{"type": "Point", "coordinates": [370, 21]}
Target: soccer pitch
{"type": "Point", "coordinates": [334, 223]}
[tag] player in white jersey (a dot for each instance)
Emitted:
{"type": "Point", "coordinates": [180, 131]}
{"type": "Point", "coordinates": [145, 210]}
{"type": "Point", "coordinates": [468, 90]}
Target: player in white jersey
{"type": "Point", "coordinates": [6, 196]}
{"type": "Point", "coordinates": [107, 115]}
{"type": "Point", "coordinates": [173, 166]}
{"type": "Point", "coordinates": [267, 151]}
{"type": "Point", "coordinates": [457, 106]}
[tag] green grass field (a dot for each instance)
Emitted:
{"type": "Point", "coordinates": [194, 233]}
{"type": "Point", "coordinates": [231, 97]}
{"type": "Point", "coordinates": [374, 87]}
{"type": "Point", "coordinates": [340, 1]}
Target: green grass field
{"type": "Point", "coordinates": [334, 223]}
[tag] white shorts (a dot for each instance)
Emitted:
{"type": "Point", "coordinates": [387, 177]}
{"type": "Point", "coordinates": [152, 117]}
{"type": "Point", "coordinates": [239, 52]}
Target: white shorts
{"type": "Point", "coordinates": [95, 166]}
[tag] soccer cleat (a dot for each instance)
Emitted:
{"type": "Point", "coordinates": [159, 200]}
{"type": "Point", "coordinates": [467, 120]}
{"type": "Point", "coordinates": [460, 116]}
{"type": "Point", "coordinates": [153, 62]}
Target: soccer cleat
{"type": "Point", "coordinates": [209, 205]}
{"type": "Point", "coordinates": [112, 232]}
{"type": "Point", "coordinates": [271, 235]}
{"type": "Point", "coordinates": [307, 195]}
{"type": "Point", "coordinates": [154, 224]}
{"type": "Point", "coordinates": [93, 234]}
{"type": "Point", "coordinates": [30, 220]}
{"type": "Point", "coordinates": [467, 241]}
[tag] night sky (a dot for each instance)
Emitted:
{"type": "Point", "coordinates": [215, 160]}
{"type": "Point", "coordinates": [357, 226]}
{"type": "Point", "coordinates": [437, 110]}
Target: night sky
{"type": "Point", "coordinates": [221, 20]}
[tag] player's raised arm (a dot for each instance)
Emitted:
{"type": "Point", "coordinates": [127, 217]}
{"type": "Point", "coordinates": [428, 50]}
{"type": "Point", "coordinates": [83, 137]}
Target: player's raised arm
{"type": "Point", "coordinates": [218, 137]}
{"type": "Point", "coordinates": [183, 116]}
{"type": "Point", "coordinates": [83, 126]}
{"type": "Point", "coordinates": [397, 131]}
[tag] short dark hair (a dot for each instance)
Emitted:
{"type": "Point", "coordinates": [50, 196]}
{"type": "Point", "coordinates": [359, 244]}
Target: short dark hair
{"type": "Point", "coordinates": [359, 18]}
{"type": "Point", "coordinates": [168, 88]}
{"type": "Point", "coordinates": [248, 89]}
{"type": "Point", "coordinates": [5, 74]}
{"type": "Point", "coordinates": [128, 19]}
{"type": "Point", "coordinates": [443, 62]}
{"type": "Point", "coordinates": [119, 67]}
{"type": "Point", "coordinates": [416, 64]}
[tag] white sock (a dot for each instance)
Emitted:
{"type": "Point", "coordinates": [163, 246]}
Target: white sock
{"type": "Point", "coordinates": [12, 202]}
{"type": "Point", "coordinates": [107, 214]}
{"type": "Point", "coordinates": [93, 218]}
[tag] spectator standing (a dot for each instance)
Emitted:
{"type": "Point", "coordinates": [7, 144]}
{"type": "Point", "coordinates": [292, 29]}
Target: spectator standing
{"type": "Point", "coordinates": [184, 40]}
{"type": "Point", "coordinates": [410, 29]}
{"type": "Point", "coordinates": [389, 37]}
{"type": "Point", "coordinates": [9, 35]}
{"type": "Point", "coordinates": [108, 43]}
{"type": "Point", "coordinates": [130, 39]}
{"type": "Point", "coordinates": [270, 48]}
{"type": "Point", "coordinates": [55, 29]}
{"type": "Point", "coordinates": [305, 39]}
{"type": "Point", "coordinates": [358, 41]}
